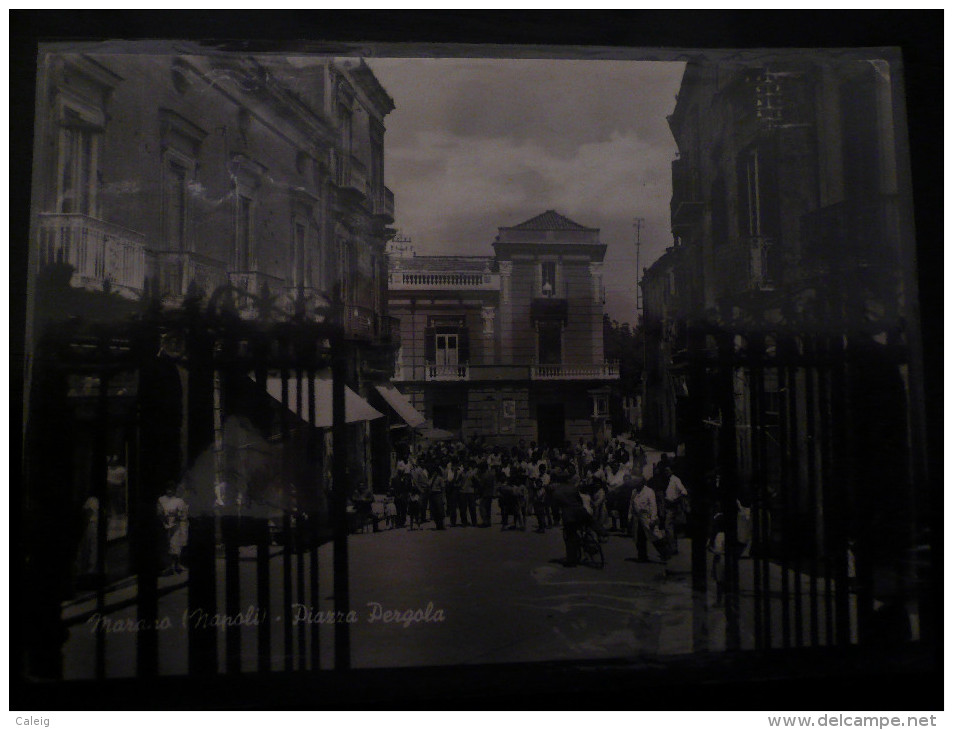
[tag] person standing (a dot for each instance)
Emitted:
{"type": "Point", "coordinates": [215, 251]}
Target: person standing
{"type": "Point", "coordinates": [676, 504]}
{"type": "Point", "coordinates": [174, 514]}
{"type": "Point", "coordinates": [644, 516]}
{"type": "Point", "coordinates": [486, 481]}
{"type": "Point", "coordinates": [519, 498]}
{"type": "Point", "coordinates": [420, 483]}
{"type": "Point", "coordinates": [468, 484]}
{"type": "Point", "coordinates": [569, 501]}
{"type": "Point", "coordinates": [599, 507]}
{"type": "Point", "coordinates": [453, 489]}
{"type": "Point", "coordinates": [437, 488]}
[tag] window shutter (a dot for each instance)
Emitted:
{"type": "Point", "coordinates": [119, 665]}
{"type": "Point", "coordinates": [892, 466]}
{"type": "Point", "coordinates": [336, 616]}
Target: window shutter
{"type": "Point", "coordinates": [464, 343]}
{"type": "Point", "coordinates": [430, 344]}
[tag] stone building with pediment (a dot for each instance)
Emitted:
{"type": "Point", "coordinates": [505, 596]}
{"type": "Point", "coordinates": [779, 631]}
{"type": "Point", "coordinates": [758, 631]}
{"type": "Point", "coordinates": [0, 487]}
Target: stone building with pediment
{"type": "Point", "coordinates": [507, 346]}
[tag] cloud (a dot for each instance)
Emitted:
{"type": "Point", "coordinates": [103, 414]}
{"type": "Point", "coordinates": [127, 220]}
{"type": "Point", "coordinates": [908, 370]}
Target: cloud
{"type": "Point", "coordinates": [476, 144]}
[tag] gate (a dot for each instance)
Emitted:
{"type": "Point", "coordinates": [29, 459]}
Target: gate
{"type": "Point", "coordinates": [804, 441]}
{"type": "Point", "coordinates": [248, 565]}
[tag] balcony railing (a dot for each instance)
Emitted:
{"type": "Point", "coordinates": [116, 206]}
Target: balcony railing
{"type": "Point", "coordinates": [445, 280]}
{"type": "Point", "coordinates": [605, 371]}
{"type": "Point", "coordinates": [384, 204]}
{"type": "Point", "coordinates": [99, 252]}
{"type": "Point", "coordinates": [460, 371]}
{"type": "Point", "coordinates": [256, 283]}
{"type": "Point", "coordinates": [178, 270]}
{"type": "Point", "coordinates": [360, 322]}
{"type": "Point", "coordinates": [762, 271]}
{"type": "Point", "coordinates": [686, 205]}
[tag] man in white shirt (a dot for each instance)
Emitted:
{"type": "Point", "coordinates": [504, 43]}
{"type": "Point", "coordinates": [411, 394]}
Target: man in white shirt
{"type": "Point", "coordinates": [676, 500]}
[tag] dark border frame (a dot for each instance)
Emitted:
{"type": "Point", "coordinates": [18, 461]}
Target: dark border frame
{"type": "Point", "coordinates": [914, 681]}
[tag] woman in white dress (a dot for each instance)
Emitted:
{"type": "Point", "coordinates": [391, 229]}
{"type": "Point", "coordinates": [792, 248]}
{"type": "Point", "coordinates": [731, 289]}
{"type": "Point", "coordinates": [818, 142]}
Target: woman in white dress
{"type": "Point", "coordinates": [174, 513]}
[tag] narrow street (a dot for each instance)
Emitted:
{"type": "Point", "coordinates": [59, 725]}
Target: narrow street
{"type": "Point", "coordinates": [491, 596]}
{"type": "Point", "coordinates": [504, 596]}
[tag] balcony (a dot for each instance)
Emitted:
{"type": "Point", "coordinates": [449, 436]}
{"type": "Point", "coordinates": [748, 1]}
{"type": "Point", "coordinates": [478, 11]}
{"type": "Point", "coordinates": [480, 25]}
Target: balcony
{"type": "Point", "coordinates": [443, 281]}
{"type": "Point", "coordinates": [605, 371]}
{"type": "Point", "coordinates": [360, 323]}
{"type": "Point", "coordinates": [350, 175]}
{"type": "Point", "coordinates": [434, 372]}
{"type": "Point", "coordinates": [255, 282]}
{"type": "Point", "coordinates": [762, 263]}
{"type": "Point", "coordinates": [549, 308]}
{"type": "Point", "coordinates": [103, 255]}
{"type": "Point", "coordinates": [384, 204]}
{"type": "Point", "coordinates": [389, 328]}
{"type": "Point", "coordinates": [179, 270]}
{"type": "Point", "coordinates": [687, 206]}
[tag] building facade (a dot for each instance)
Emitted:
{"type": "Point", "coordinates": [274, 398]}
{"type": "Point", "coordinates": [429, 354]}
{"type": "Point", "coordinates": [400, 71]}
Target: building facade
{"type": "Point", "coordinates": [507, 346]}
{"type": "Point", "coordinates": [184, 192]}
{"type": "Point", "coordinates": [781, 326]}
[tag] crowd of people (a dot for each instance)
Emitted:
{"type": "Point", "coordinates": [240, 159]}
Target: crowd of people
{"type": "Point", "coordinates": [602, 486]}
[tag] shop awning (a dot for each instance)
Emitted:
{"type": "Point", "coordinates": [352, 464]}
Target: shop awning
{"type": "Point", "coordinates": [355, 408]}
{"type": "Point", "coordinates": [400, 403]}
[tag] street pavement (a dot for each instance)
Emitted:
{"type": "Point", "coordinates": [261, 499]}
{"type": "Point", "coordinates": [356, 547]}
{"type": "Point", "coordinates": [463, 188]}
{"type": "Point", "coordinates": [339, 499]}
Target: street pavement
{"type": "Point", "coordinates": [503, 596]}
{"type": "Point", "coordinates": [464, 595]}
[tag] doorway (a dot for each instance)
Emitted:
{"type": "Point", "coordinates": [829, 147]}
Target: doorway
{"type": "Point", "coordinates": [550, 424]}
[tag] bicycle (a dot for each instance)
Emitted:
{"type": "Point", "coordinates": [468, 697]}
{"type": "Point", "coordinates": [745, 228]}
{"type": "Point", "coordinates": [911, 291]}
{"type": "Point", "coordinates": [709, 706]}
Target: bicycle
{"type": "Point", "coordinates": [590, 547]}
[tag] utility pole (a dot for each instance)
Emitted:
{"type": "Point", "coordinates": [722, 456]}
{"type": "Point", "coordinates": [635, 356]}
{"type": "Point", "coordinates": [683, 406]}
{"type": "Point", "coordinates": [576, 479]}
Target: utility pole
{"type": "Point", "coordinates": [637, 223]}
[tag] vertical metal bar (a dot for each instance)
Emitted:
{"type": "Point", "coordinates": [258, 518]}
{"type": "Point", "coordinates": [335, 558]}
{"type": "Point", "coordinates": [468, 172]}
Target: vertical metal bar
{"type": "Point", "coordinates": [144, 534]}
{"type": "Point", "coordinates": [727, 458]}
{"type": "Point", "coordinates": [286, 618]}
{"type": "Point", "coordinates": [342, 598]}
{"type": "Point", "coordinates": [810, 381]}
{"type": "Point", "coordinates": [202, 595]}
{"type": "Point", "coordinates": [794, 485]}
{"type": "Point", "coordinates": [826, 490]}
{"type": "Point", "coordinates": [862, 362]}
{"type": "Point", "coordinates": [300, 454]}
{"type": "Point", "coordinates": [233, 641]}
{"type": "Point", "coordinates": [263, 579]}
{"type": "Point", "coordinates": [203, 653]}
{"type": "Point", "coordinates": [767, 523]}
{"type": "Point", "coordinates": [100, 491]}
{"type": "Point", "coordinates": [757, 551]}
{"type": "Point", "coordinates": [784, 494]}
{"type": "Point", "coordinates": [839, 544]}
{"type": "Point", "coordinates": [313, 525]}
{"type": "Point", "coordinates": [698, 453]}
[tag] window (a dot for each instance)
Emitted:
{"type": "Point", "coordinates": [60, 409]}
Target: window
{"type": "Point", "coordinates": [448, 342]}
{"type": "Point", "coordinates": [757, 194]}
{"type": "Point", "coordinates": [345, 130]}
{"type": "Point", "coordinates": [244, 258]}
{"type": "Point", "coordinates": [300, 272]}
{"type": "Point", "coordinates": [78, 147]}
{"type": "Point", "coordinates": [547, 278]}
{"type": "Point", "coordinates": [175, 207]}
{"type": "Point", "coordinates": [751, 195]}
{"type": "Point", "coordinates": [447, 350]}
{"type": "Point", "coordinates": [344, 268]}
{"type": "Point", "coordinates": [600, 406]}
{"type": "Point", "coordinates": [550, 335]}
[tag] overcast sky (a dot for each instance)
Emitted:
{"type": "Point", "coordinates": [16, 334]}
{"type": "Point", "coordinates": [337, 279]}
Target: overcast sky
{"type": "Point", "coordinates": [475, 144]}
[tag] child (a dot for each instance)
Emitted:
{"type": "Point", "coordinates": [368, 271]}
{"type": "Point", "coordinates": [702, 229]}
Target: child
{"type": "Point", "coordinates": [390, 513]}
{"type": "Point", "coordinates": [520, 496]}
